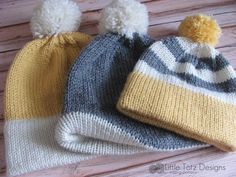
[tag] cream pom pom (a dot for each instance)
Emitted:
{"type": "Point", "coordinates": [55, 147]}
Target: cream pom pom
{"type": "Point", "coordinates": [125, 17]}
{"type": "Point", "coordinates": [52, 17]}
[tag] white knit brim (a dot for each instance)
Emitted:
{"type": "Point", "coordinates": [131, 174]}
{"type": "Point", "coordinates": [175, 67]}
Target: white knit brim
{"type": "Point", "coordinates": [30, 146]}
{"type": "Point", "coordinates": [88, 133]}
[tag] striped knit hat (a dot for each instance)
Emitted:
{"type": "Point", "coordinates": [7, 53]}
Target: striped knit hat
{"type": "Point", "coordinates": [35, 86]}
{"type": "Point", "coordinates": [91, 122]}
{"type": "Point", "coordinates": [185, 85]}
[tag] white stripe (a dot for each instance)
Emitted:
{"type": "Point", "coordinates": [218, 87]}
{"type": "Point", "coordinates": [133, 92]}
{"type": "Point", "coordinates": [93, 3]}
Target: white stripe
{"type": "Point", "coordinates": [193, 48]}
{"type": "Point", "coordinates": [143, 67]}
{"type": "Point", "coordinates": [169, 60]}
{"type": "Point", "coordinates": [74, 130]}
{"type": "Point", "coordinates": [30, 146]}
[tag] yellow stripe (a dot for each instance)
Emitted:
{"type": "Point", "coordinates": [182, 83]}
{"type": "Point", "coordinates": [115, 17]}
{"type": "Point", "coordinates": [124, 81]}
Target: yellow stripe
{"type": "Point", "coordinates": [180, 110]}
{"type": "Point", "coordinates": [36, 81]}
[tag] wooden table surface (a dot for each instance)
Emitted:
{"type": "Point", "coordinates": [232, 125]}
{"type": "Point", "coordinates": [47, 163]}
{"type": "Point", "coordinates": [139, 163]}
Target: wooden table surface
{"type": "Point", "coordinates": [165, 16]}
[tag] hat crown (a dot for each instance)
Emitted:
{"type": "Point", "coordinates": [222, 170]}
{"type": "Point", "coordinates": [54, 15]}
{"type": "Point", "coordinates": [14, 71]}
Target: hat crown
{"type": "Point", "coordinates": [39, 71]}
{"type": "Point", "coordinates": [200, 50]}
{"type": "Point", "coordinates": [66, 39]}
{"type": "Point", "coordinates": [106, 55]}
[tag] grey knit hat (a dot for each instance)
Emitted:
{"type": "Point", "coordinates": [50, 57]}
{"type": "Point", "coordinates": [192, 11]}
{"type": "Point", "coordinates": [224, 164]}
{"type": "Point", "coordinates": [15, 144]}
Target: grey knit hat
{"type": "Point", "coordinates": [91, 122]}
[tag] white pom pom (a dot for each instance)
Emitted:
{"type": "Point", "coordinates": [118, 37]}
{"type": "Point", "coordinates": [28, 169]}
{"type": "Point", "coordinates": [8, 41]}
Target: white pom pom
{"type": "Point", "coordinates": [52, 17]}
{"type": "Point", "coordinates": [125, 17]}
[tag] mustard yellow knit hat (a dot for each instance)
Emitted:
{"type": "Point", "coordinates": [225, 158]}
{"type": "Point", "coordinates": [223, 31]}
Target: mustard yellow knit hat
{"type": "Point", "coordinates": [185, 85]}
{"type": "Point", "coordinates": [35, 86]}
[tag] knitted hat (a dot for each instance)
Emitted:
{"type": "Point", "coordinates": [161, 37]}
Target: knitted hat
{"type": "Point", "coordinates": [35, 86]}
{"type": "Point", "coordinates": [185, 85]}
{"type": "Point", "coordinates": [95, 83]}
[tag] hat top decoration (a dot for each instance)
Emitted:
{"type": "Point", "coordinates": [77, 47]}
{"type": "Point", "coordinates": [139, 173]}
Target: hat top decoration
{"type": "Point", "coordinates": [124, 17]}
{"type": "Point", "coordinates": [52, 17]}
{"type": "Point", "coordinates": [200, 28]}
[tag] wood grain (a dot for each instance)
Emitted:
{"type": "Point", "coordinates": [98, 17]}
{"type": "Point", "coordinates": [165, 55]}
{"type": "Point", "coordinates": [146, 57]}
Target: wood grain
{"type": "Point", "coordinates": [2, 149]}
{"type": "Point", "coordinates": [1, 106]}
{"type": "Point", "coordinates": [139, 165]}
{"type": "Point", "coordinates": [6, 59]}
{"type": "Point", "coordinates": [3, 76]}
{"type": "Point", "coordinates": [229, 52]}
{"type": "Point", "coordinates": [10, 9]}
{"type": "Point", "coordinates": [203, 163]}
{"type": "Point", "coordinates": [14, 37]}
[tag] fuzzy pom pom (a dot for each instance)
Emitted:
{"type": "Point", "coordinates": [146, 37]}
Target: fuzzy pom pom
{"type": "Point", "coordinates": [52, 17]}
{"type": "Point", "coordinates": [125, 17]}
{"type": "Point", "coordinates": [200, 28]}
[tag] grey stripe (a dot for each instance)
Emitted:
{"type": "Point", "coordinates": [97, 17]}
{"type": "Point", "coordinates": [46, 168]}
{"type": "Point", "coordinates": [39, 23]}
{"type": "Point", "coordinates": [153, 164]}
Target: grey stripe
{"type": "Point", "coordinates": [95, 85]}
{"type": "Point", "coordinates": [154, 61]}
{"type": "Point", "coordinates": [200, 63]}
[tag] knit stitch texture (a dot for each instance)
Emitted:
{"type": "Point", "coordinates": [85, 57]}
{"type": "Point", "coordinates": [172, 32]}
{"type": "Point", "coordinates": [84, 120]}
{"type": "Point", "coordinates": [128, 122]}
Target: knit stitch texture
{"type": "Point", "coordinates": [33, 103]}
{"type": "Point", "coordinates": [185, 87]}
{"type": "Point", "coordinates": [94, 85]}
